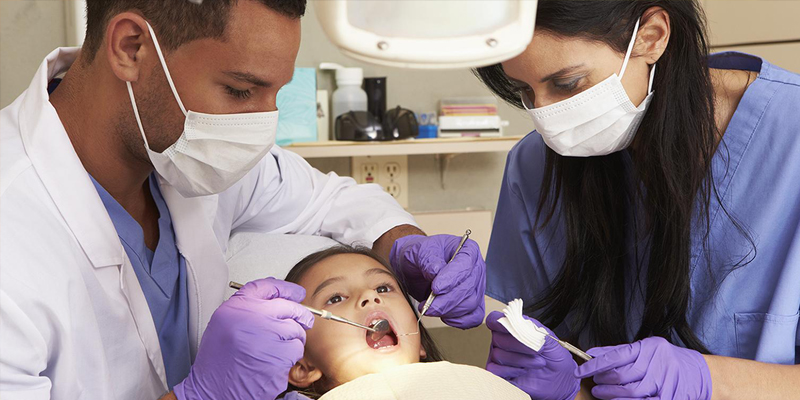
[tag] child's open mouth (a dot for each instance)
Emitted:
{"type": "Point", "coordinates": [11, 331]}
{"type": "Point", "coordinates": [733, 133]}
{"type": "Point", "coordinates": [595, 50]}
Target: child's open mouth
{"type": "Point", "coordinates": [388, 340]}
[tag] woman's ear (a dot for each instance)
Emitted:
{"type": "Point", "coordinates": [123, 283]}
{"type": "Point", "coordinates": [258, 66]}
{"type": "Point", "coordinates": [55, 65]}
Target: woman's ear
{"type": "Point", "coordinates": [422, 353]}
{"type": "Point", "coordinates": [653, 35]}
{"type": "Point", "coordinates": [303, 374]}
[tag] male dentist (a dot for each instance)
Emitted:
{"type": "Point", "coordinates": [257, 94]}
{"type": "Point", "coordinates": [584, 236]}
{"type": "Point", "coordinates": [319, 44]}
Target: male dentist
{"type": "Point", "coordinates": [124, 169]}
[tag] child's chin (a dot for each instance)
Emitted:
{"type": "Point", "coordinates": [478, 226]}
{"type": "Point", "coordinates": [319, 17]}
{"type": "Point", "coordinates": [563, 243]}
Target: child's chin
{"type": "Point", "coordinates": [381, 363]}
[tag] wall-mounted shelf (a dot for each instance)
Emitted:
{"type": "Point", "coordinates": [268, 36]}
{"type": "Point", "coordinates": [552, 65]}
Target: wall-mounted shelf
{"type": "Point", "coordinates": [404, 147]}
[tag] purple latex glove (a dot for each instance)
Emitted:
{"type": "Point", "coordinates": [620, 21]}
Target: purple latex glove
{"type": "Point", "coordinates": [251, 342]}
{"type": "Point", "coordinates": [459, 286]}
{"type": "Point", "coordinates": [652, 368]}
{"type": "Point", "coordinates": [548, 374]}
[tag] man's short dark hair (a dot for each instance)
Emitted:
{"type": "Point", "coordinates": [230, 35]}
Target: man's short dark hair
{"type": "Point", "coordinates": [177, 22]}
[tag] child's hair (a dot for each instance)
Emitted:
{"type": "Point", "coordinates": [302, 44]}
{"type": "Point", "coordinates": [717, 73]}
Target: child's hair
{"type": "Point", "coordinates": [432, 352]}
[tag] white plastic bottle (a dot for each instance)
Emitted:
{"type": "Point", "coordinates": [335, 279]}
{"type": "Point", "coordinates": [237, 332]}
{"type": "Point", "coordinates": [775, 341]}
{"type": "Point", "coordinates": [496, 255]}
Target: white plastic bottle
{"type": "Point", "coordinates": [348, 95]}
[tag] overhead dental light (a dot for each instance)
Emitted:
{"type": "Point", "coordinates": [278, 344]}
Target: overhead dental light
{"type": "Point", "coordinates": [428, 34]}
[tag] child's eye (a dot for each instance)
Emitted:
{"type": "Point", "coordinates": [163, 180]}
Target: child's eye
{"type": "Point", "coordinates": [239, 94]}
{"type": "Point", "coordinates": [385, 288]}
{"type": "Point", "coordinates": [335, 299]}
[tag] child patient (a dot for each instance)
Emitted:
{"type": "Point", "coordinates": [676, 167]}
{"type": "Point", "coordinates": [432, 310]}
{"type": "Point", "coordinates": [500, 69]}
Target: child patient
{"type": "Point", "coordinates": [355, 284]}
{"type": "Point", "coordinates": [343, 362]}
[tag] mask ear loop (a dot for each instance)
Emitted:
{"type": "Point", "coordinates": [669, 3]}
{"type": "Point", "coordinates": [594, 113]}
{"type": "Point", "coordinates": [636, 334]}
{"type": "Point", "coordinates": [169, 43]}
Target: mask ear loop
{"type": "Point", "coordinates": [628, 55]}
{"type": "Point", "coordinates": [166, 70]}
{"type": "Point", "coordinates": [652, 74]}
{"type": "Point", "coordinates": [136, 113]}
{"type": "Point", "coordinates": [630, 50]}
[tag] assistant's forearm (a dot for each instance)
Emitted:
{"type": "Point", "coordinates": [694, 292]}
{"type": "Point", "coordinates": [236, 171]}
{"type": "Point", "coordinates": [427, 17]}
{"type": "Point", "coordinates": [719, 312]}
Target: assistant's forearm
{"type": "Point", "coordinates": [585, 393]}
{"type": "Point", "coordinates": [383, 246]}
{"type": "Point", "coordinates": [735, 378]}
{"type": "Point", "coordinates": [586, 390]}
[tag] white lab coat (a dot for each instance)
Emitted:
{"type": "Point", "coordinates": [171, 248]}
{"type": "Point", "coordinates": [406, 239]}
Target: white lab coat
{"type": "Point", "coordinates": [74, 323]}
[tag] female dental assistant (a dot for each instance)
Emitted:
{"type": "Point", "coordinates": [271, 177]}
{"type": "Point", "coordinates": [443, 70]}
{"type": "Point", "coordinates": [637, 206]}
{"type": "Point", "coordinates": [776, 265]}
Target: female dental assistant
{"type": "Point", "coordinates": [121, 184]}
{"type": "Point", "coordinates": [654, 211]}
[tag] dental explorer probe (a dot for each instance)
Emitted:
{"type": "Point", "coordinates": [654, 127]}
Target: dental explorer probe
{"type": "Point", "coordinates": [379, 329]}
{"type": "Point", "coordinates": [572, 349]}
{"type": "Point", "coordinates": [432, 296]}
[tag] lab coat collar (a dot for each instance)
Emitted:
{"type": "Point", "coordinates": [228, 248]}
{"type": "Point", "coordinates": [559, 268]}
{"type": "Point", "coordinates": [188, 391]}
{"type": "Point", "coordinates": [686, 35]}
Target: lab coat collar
{"type": "Point", "coordinates": [207, 270]}
{"type": "Point", "coordinates": [55, 161]}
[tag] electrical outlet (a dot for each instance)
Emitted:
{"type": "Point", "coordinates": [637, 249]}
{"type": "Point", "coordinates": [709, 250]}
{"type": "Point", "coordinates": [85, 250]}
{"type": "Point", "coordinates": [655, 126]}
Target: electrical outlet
{"type": "Point", "coordinates": [390, 172]}
{"type": "Point", "coordinates": [369, 172]}
{"type": "Point", "coordinates": [393, 189]}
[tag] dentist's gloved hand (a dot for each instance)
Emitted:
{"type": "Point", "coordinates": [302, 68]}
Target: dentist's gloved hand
{"type": "Point", "coordinates": [650, 368]}
{"type": "Point", "coordinates": [251, 342]}
{"type": "Point", "coordinates": [459, 286]}
{"type": "Point", "coordinates": [548, 374]}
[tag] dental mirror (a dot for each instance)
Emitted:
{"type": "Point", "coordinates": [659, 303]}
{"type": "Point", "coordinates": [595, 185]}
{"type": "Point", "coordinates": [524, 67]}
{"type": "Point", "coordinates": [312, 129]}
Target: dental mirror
{"type": "Point", "coordinates": [380, 329]}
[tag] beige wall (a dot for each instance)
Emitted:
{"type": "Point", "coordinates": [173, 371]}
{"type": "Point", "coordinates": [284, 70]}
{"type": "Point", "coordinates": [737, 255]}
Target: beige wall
{"type": "Point", "coordinates": [735, 22]}
{"type": "Point", "coordinates": [29, 30]}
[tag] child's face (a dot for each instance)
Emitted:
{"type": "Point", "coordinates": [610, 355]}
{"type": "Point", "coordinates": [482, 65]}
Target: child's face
{"type": "Point", "coordinates": [362, 290]}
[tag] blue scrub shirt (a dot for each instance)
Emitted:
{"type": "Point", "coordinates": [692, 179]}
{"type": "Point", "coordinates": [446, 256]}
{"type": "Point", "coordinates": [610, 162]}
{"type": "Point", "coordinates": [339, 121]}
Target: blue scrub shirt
{"type": "Point", "coordinates": [754, 313]}
{"type": "Point", "coordinates": [162, 276]}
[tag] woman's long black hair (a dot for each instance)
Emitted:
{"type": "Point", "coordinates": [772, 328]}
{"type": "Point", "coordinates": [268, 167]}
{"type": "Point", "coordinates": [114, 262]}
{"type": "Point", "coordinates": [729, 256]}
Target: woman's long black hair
{"type": "Point", "coordinates": [432, 352]}
{"type": "Point", "coordinates": [665, 182]}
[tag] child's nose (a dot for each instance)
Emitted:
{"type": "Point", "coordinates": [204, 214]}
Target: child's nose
{"type": "Point", "coordinates": [366, 301]}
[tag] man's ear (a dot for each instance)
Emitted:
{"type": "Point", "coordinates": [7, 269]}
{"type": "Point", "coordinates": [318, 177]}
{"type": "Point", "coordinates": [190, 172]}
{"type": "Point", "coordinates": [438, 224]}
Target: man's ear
{"type": "Point", "coordinates": [126, 44]}
{"type": "Point", "coordinates": [303, 374]}
{"type": "Point", "coordinates": [653, 34]}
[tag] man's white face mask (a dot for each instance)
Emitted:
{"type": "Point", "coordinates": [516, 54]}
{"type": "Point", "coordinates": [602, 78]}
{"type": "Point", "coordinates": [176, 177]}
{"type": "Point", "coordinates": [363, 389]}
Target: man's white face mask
{"type": "Point", "coordinates": [598, 121]}
{"type": "Point", "coordinates": [215, 150]}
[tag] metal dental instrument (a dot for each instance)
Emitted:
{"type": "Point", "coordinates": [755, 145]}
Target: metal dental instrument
{"type": "Point", "coordinates": [379, 329]}
{"type": "Point", "coordinates": [572, 349]}
{"type": "Point", "coordinates": [432, 296]}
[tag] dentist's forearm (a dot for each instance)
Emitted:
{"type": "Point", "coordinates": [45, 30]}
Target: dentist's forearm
{"type": "Point", "coordinates": [169, 396]}
{"type": "Point", "coordinates": [383, 246]}
{"type": "Point", "coordinates": [734, 378]}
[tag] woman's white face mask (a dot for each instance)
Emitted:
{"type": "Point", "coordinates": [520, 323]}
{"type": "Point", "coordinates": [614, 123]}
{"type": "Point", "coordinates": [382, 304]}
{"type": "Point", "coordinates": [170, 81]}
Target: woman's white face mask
{"type": "Point", "coordinates": [598, 121]}
{"type": "Point", "coordinates": [215, 150]}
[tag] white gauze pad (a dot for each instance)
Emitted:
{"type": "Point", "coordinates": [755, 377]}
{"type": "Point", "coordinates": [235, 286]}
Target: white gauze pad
{"type": "Point", "coordinates": [524, 330]}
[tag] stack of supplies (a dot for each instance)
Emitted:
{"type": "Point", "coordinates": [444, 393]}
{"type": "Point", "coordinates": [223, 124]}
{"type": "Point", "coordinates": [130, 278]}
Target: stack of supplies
{"type": "Point", "coordinates": [469, 116]}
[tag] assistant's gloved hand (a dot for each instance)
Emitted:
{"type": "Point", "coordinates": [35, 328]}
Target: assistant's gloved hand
{"type": "Point", "coordinates": [548, 374]}
{"type": "Point", "coordinates": [649, 368]}
{"type": "Point", "coordinates": [422, 264]}
{"type": "Point", "coordinates": [251, 342]}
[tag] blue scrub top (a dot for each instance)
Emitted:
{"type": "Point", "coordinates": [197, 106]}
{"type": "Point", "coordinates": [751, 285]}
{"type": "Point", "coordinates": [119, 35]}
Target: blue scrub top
{"type": "Point", "coordinates": [754, 314]}
{"type": "Point", "coordinates": [162, 276]}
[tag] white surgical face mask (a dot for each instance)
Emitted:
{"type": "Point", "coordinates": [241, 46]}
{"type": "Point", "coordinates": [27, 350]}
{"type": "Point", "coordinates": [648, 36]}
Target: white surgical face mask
{"type": "Point", "coordinates": [215, 150]}
{"type": "Point", "coordinates": [598, 121]}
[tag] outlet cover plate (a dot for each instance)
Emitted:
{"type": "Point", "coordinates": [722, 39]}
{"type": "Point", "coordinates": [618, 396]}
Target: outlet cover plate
{"type": "Point", "coordinates": [393, 183]}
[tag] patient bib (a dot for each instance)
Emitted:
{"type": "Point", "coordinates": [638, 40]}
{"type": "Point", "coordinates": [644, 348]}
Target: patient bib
{"type": "Point", "coordinates": [438, 380]}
